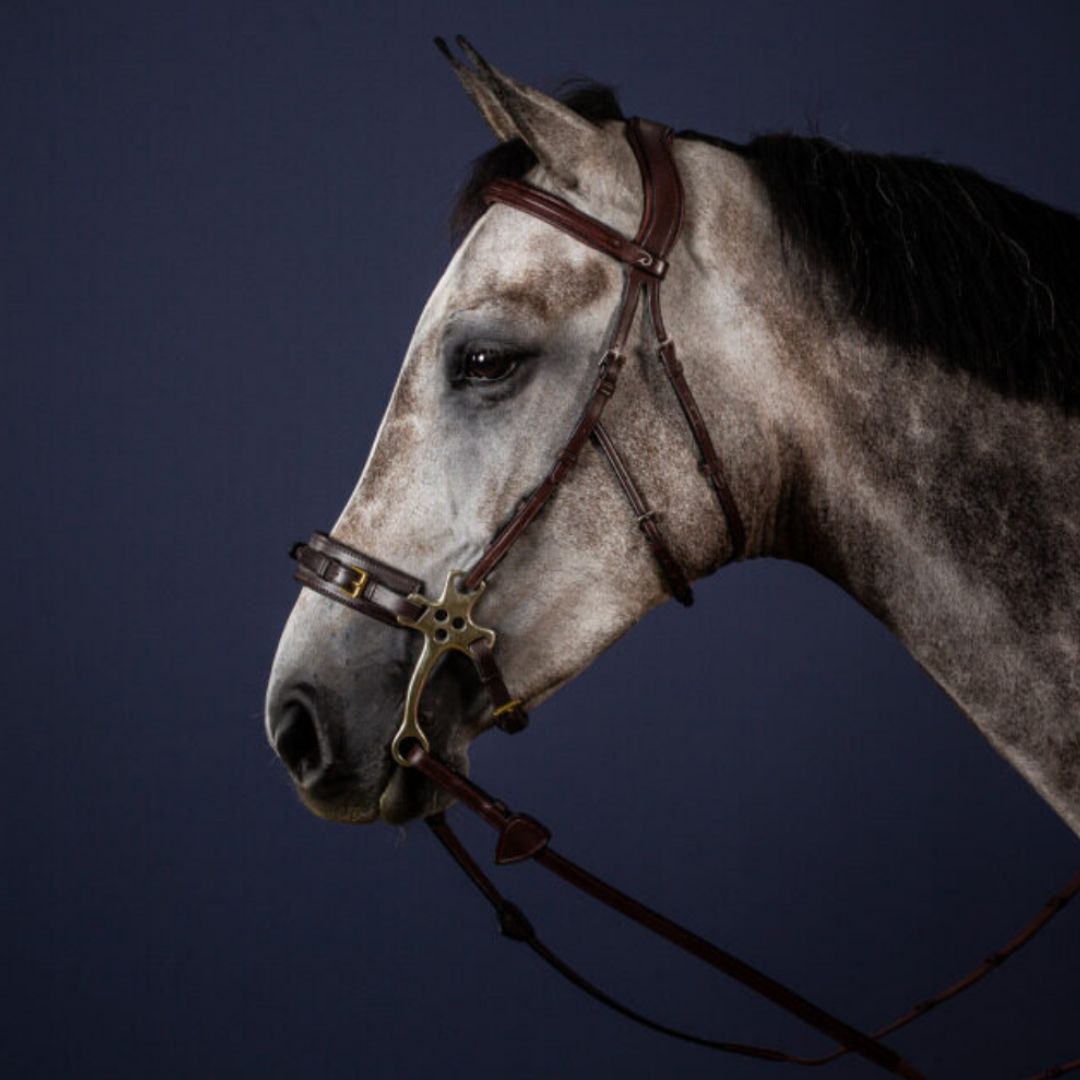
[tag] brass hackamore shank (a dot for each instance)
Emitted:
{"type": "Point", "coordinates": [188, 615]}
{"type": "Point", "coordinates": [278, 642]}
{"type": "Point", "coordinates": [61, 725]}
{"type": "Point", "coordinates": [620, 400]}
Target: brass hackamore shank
{"type": "Point", "coordinates": [446, 624]}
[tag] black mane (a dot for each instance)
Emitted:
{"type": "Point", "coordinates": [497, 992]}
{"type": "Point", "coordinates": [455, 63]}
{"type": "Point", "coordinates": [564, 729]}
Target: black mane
{"type": "Point", "coordinates": [928, 257]}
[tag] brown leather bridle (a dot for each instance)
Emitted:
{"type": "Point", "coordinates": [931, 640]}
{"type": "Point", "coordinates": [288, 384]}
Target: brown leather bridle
{"type": "Point", "coordinates": [372, 587]}
{"type": "Point", "coordinates": [396, 598]}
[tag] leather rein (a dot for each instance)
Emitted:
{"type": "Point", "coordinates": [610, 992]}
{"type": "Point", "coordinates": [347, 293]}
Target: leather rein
{"type": "Point", "coordinates": [373, 588]}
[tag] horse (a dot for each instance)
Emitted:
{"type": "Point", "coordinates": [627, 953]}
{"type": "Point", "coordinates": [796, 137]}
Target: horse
{"type": "Point", "coordinates": [885, 355]}
{"type": "Point", "coordinates": [885, 352]}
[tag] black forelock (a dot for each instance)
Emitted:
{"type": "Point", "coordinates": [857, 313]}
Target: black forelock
{"type": "Point", "coordinates": [930, 258]}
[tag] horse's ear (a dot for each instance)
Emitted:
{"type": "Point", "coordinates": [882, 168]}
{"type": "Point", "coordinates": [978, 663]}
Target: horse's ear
{"type": "Point", "coordinates": [559, 137]}
{"type": "Point", "coordinates": [482, 95]}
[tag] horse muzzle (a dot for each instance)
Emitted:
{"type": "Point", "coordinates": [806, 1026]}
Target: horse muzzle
{"type": "Point", "coordinates": [331, 721]}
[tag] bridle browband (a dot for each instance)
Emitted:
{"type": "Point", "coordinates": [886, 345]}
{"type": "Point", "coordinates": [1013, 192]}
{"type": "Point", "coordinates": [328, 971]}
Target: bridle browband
{"type": "Point", "coordinates": [372, 587]}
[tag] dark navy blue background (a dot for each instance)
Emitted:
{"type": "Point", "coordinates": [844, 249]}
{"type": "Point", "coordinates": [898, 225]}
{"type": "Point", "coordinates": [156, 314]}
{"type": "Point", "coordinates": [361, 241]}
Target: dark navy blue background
{"type": "Point", "coordinates": [218, 220]}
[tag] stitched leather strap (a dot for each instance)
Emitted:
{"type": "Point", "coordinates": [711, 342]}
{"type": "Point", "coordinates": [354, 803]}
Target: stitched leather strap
{"type": "Point", "coordinates": [664, 186]}
{"type": "Point", "coordinates": [588, 230]}
{"type": "Point", "coordinates": [673, 573]}
{"type": "Point", "coordinates": [662, 213]}
{"type": "Point", "coordinates": [509, 713]}
{"type": "Point", "coordinates": [709, 462]}
{"type": "Point", "coordinates": [356, 580]}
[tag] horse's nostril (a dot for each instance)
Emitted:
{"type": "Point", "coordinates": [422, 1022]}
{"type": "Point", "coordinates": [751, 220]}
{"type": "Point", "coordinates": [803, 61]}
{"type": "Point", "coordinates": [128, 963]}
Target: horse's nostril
{"type": "Point", "coordinates": [297, 740]}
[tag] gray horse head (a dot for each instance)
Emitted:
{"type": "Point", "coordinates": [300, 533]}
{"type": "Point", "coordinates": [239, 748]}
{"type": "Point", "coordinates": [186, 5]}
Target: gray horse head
{"type": "Point", "coordinates": [502, 357]}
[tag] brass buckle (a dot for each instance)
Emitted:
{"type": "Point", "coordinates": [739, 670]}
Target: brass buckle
{"type": "Point", "coordinates": [510, 706]}
{"type": "Point", "coordinates": [357, 587]}
{"type": "Point", "coordinates": [446, 624]}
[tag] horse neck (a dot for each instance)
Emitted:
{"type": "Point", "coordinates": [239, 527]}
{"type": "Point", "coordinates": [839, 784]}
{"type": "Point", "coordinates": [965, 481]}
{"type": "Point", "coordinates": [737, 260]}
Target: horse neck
{"type": "Point", "coordinates": [950, 512]}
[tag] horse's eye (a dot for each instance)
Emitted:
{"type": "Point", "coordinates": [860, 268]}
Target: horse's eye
{"type": "Point", "coordinates": [487, 364]}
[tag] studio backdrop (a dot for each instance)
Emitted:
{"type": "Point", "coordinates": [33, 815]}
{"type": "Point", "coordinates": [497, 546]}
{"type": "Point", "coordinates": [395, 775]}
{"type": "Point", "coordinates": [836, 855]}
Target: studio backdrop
{"type": "Point", "coordinates": [220, 224]}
